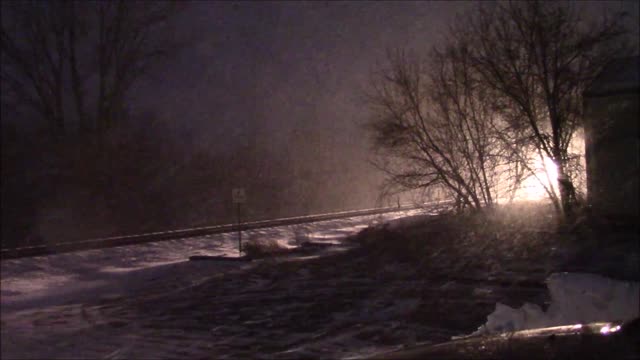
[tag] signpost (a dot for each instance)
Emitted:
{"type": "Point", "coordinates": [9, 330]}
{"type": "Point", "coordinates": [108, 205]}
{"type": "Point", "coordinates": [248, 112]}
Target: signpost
{"type": "Point", "coordinates": [239, 197]}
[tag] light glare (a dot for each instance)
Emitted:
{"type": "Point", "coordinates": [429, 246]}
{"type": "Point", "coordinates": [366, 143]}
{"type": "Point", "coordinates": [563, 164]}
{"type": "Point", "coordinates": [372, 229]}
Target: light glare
{"type": "Point", "coordinates": [607, 329]}
{"type": "Point", "coordinates": [533, 188]}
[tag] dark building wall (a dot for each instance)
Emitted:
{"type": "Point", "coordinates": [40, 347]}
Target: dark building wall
{"type": "Point", "coordinates": [612, 147]}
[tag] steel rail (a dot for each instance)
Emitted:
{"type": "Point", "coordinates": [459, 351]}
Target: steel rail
{"type": "Point", "coordinates": [114, 241]}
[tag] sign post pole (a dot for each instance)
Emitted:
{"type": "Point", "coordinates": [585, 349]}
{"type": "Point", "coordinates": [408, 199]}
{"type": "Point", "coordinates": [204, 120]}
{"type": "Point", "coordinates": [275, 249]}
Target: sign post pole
{"type": "Point", "coordinates": [239, 230]}
{"type": "Point", "coordinates": [239, 197]}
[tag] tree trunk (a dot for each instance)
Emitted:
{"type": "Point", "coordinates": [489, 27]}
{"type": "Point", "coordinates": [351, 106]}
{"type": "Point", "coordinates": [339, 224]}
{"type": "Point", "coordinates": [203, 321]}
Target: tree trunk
{"type": "Point", "coordinates": [567, 192]}
{"type": "Point", "coordinates": [76, 83]}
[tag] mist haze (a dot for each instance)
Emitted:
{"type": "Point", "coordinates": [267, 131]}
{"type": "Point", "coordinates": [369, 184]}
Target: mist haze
{"type": "Point", "coordinates": [265, 96]}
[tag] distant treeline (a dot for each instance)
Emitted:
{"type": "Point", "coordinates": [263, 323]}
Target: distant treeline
{"type": "Point", "coordinates": [139, 177]}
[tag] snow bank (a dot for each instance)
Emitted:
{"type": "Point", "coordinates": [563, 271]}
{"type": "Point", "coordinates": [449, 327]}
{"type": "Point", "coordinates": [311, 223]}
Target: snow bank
{"type": "Point", "coordinates": [576, 298]}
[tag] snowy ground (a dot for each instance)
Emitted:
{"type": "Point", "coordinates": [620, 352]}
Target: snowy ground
{"type": "Point", "coordinates": [54, 306]}
{"type": "Point", "coordinates": [148, 301]}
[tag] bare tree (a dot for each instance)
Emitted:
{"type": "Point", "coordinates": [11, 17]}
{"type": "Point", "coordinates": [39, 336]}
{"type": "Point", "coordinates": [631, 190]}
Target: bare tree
{"type": "Point", "coordinates": [33, 47]}
{"type": "Point", "coordinates": [537, 58]}
{"type": "Point", "coordinates": [97, 50]}
{"type": "Point", "coordinates": [434, 128]}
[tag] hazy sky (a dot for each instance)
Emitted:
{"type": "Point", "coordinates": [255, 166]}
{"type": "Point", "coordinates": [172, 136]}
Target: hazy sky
{"type": "Point", "coordinates": [276, 66]}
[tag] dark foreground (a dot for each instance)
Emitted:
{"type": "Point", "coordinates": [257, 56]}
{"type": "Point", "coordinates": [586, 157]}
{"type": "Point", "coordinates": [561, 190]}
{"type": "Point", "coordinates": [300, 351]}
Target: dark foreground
{"type": "Point", "coordinates": [419, 280]}
{"type": "Point", "coordinates": [566, 342]}
{"type": "Point", "coordinates": [414, 281]}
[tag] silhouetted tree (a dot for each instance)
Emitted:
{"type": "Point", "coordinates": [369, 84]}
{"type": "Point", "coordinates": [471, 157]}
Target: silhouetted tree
{"type": "Point", "coordinates": [434, 127]}
{"type": "Point", "coordinates": [537, 58]}
{"type": "Point", "coordinates": [506, 88]}
{"type": "Point", "coordinates": [93, 51]}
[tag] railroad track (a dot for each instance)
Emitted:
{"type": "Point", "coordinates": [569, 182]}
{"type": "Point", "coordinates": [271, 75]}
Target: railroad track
{"type": "Point", "coordinates": [114, 241]}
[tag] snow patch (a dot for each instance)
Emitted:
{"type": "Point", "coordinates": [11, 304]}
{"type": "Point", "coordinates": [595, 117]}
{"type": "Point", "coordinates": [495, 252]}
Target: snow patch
{"type": "Point", "coordinates": [576, 298]}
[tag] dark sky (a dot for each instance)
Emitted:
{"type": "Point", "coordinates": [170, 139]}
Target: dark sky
{"type": "Point", "coordinates": [274, 67]}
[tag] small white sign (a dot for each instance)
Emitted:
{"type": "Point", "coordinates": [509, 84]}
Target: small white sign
{"type": "Point", "coordinates": [238, 196]}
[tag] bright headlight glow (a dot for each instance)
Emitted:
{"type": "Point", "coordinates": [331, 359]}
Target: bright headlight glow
{"type": "Point", "coordinates": [607, 329]}
{"type": "Point", "coordinates": [533, 188]}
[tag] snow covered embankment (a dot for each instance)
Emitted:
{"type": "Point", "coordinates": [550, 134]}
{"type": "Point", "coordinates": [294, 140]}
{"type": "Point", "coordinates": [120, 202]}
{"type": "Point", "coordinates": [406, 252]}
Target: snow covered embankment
{"type": "Point", "coordinates": [576, 298]}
